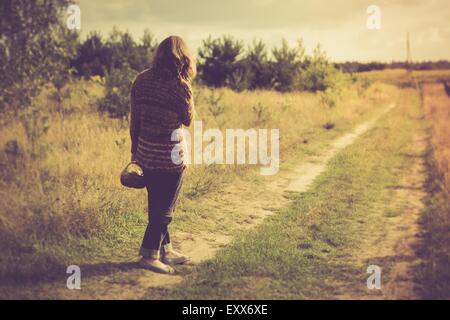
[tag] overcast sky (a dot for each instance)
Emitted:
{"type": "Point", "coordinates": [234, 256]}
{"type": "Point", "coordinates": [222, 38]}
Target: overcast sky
{"type": "Point", "coordinates": [339, 25]}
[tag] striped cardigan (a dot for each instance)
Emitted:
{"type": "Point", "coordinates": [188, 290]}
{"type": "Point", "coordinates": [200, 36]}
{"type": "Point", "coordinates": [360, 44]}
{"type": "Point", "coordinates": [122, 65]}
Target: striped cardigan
{"type": "Point", "coordinates": [160, 104]}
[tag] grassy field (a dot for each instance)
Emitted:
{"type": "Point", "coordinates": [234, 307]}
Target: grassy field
{"type": "Point", "coordinates": [62, 203]}
{"type": "Point", "coordinates": [303, 251]}
{"type": "Point", "coordinates": [61, 199]}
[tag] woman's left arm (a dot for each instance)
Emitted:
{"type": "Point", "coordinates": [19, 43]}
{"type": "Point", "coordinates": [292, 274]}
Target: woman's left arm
{"type": "Point", "coordinates": [134, 123]}
{"type": "Point", "coordinates": [187, 112]}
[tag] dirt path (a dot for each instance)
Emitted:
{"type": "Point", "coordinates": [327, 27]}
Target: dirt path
{"type": "Point", "coordinates": [123, 281]}
{"type": "Point", "coordinates": [305, 174]}
{"type": "Point", "coordinates": [391, 243]}
{"type": "Point", "coordinates": [403, 222]}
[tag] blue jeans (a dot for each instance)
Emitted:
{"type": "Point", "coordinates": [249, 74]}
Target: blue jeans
{"type": "Point", "coordinates": [163, 189]}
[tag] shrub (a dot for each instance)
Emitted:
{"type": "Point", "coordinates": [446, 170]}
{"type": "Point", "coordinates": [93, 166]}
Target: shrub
{"type": "Point", "coordinates": [215, 106]}
{"type": "Point", "coordinates": [328, 98]}
{"type": "Point", "coordinates": [287, 62]}
{"type": "Point", "coordinates": [218, 60]}
{"type": "Point", "coordinates": [93, 57]}
{"type": "Point", "coordinates": [33, 47]}
{"type": "Point", "coordinates": [241, 77]}
{"type": "Point", "coordinates": [259, 65]}
{"type": "Point", "coordinates": [116, 101]}
{"type": "Point", "coordinates": [318, 75]}
{"type": "Point", "coordinates": [36, 124]}
{"type": "Point", "coordinates": [98, 57]}
{"type": "Point", "coordinates": [362, 85]}
{"type": "Point", "coordinates": [261, 112]}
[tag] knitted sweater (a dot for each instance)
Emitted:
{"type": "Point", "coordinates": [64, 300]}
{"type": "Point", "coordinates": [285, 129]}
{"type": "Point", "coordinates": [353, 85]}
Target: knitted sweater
{"type": "Point", "coordinates": [160, 103]}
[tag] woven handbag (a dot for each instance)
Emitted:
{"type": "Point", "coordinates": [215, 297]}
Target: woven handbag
{"type": "Point", "coordinates": [132, 176]}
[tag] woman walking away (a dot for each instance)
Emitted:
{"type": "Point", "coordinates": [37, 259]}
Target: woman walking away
{"type": "Point", "coordinates": [161, 102]}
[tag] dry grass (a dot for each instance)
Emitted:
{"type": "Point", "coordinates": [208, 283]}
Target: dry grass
{"type": "Point", "coordinates": [68, 189]}
{"type": "Point", "coordinates": [436, 218]}
{"type": "Point", "coordinates": [437, 105]}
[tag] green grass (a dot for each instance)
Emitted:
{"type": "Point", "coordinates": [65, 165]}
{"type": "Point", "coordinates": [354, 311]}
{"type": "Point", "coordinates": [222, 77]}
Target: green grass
{"type": "Point", "coordinates": [300, 253]}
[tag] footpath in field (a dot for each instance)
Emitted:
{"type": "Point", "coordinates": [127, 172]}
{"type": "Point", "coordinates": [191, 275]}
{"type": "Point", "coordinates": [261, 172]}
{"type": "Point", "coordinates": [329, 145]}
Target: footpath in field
{"type": "Point", "coordinates": [127, 282]}
{"type": "Point", "coordinates": [392, 241]}
{"type": "Point", "coordinates": [361, 211]}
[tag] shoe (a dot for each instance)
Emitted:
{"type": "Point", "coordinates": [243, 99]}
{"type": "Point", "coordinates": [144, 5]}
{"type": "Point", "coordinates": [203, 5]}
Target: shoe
{"type": "Point", "coordinates": [173, 257]}
{"type": "Point", "coordinates": [156, 266]}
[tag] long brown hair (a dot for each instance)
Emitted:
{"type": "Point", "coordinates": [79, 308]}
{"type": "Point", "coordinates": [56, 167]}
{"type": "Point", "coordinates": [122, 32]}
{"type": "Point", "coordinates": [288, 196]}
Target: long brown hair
{"type": "Point", "coordinates": [173, 54]}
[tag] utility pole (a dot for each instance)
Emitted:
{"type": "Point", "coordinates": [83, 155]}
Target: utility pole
{"type": "Point", "coordinates": [408, 54]}
{"type": "Point", "coordinates": [409, 69]}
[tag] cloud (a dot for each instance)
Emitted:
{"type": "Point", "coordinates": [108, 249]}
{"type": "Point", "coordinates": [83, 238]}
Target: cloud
{"type": "Point", "coordinates": [237, 13]}
{"type": "Point", "coordinates": [338, 24]}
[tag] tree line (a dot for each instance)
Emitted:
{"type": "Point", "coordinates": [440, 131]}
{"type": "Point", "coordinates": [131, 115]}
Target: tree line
{"type": "Point", "coordinates": [354, 66]}
{"type": "Point", "coordinates": [226, 61]}
{"type": "Point", "coordinates": [223, 61]}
